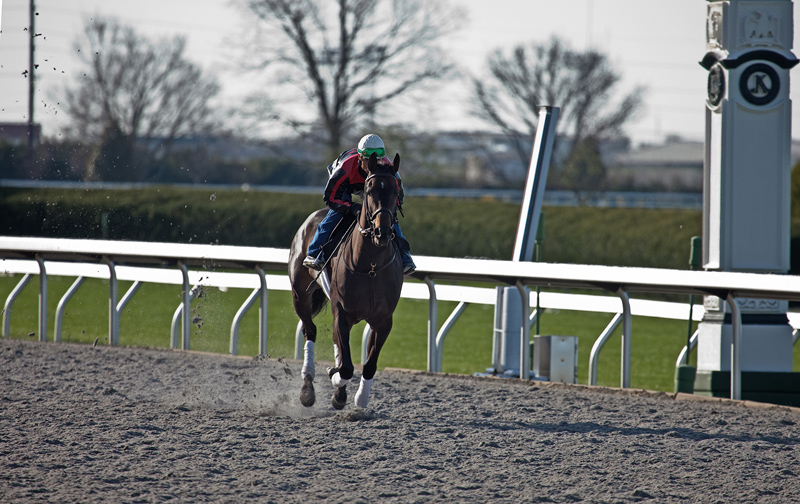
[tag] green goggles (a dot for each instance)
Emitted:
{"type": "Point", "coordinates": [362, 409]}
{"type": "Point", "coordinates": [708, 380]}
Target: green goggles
{"type": "Point", "coordinates": [380, 152]}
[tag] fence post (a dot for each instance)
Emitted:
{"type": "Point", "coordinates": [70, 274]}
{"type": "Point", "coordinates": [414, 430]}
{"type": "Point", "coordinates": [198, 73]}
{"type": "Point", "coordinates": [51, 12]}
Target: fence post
{"type": "Point", "coordinates": [42, 299]}
{"type": "Point", "coordinates": [262, 313]}
{"type": "Point", "coordinates": [62, 304]}
{"type": "Point", "coordinates": [187, 306]}
{"type": "Point", "coordinates": [625, 371]}
{"type": "Point", "coordinates": [525, 334]}
{"type": "Point", "coordinates": [113, 315]}
{"type": "Point", "coordinates": [736, 347]}
{"type": "Point", "coordinates": [10, 302]}
{"type": "Point", "coordinates": [432, 324]}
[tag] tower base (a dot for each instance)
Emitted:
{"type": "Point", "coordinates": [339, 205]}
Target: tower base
{"type": "Point", "coordinates": [773, 388]}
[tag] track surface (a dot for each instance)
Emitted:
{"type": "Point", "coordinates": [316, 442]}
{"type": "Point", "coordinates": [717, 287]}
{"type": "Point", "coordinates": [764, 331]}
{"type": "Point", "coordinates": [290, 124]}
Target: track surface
{"type": "Point", "coordinates": [86, 424]}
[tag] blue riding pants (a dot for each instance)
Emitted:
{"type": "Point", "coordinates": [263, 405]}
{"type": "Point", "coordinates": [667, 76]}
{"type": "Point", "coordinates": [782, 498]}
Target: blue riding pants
{"type": "Point", "coordinates": [323, 233]}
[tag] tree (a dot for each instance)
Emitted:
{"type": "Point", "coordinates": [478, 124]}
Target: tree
{"type": "Point", "coordinates": [581, 84]}
{"type": "Point", "coordinates": [135, 96]}
{"type": "Point", "coordinates": [584, 171]}
{"type": "Point", "coordinates": [350, 56]}
{"type": "Point", "coordinates": [112, 157]}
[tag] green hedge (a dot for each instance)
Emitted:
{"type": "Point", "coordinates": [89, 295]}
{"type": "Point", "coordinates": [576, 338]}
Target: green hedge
{"type": "Point", "coordinates": [434, 226]}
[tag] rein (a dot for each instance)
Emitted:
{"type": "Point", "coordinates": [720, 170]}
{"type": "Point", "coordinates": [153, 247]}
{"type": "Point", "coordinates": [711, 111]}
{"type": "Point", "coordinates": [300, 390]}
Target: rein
{"type": "Point", "coordinates": [344, 239]}
{"type": "Point", "coordinates": [370, 231]}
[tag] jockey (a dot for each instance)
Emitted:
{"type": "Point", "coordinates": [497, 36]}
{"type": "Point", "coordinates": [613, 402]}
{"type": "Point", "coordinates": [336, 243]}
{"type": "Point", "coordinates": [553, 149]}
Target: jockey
{"type": "Point", "coordinates": [345, 179]}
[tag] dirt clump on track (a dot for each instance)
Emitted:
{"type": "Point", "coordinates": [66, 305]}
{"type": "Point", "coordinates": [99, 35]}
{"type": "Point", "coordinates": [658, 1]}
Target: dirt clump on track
{"type": "Point", "coordinates": [101, 424]}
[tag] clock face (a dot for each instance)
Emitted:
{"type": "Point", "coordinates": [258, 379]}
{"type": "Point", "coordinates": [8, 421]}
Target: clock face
{"type": "Point", "coordinates": [716, 85]}
{"type": "Point", "coordinates": [759, 84]}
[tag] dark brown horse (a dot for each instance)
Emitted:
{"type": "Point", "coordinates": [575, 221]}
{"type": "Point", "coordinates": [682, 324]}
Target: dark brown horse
{"type": "Point", "coordinates": [366, 276]}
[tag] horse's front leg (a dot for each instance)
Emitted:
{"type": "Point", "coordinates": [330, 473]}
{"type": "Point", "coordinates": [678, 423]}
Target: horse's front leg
{"type": "Point", "coordinates": [302, 305]}
{"type": "Point", "coordinates": [343, 372]}
{"type": "Point", "coordinates": [377, 337]}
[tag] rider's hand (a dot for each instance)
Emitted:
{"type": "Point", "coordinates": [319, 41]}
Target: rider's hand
{"type": "Point", "coordinates": [355, 209]}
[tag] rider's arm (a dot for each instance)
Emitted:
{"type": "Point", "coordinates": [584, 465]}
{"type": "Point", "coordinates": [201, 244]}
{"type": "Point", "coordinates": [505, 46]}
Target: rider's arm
{"type": "Point", "coordinates": [337, 191]}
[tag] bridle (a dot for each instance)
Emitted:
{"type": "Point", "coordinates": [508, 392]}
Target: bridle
{"type": "Point", "coordinates": [369, 232]}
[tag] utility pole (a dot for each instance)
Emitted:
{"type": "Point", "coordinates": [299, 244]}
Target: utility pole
{"type": "Point", "coordinates": [31, 76]}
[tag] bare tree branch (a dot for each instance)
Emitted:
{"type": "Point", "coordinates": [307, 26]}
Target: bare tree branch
{"type": "Point", "coordinates": [350, 56]}
{"type": "Point", "coordinates": [581, 84]}
{"type": "Point", "coordinates": [138, 89]}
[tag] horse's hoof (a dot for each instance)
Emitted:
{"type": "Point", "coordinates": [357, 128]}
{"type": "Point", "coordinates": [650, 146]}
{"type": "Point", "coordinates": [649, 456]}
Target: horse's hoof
{"type": "Point", "coordinates": [339, 398]}
{"type": "Point", "coordinates": [307, 395]}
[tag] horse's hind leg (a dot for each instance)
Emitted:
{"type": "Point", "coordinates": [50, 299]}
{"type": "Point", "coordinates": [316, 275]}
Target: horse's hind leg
{"type": "Point", "coordinates": [375, 340]}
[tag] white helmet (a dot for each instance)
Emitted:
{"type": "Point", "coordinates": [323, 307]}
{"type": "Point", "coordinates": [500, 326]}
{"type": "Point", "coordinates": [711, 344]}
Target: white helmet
{"type": "Point", "coordinates": [370, 144]}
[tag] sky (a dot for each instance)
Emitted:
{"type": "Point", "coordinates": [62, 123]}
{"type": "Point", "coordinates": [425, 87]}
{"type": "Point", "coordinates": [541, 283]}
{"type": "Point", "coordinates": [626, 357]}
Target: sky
{"type": "Point", "coordinates": [652, 43]}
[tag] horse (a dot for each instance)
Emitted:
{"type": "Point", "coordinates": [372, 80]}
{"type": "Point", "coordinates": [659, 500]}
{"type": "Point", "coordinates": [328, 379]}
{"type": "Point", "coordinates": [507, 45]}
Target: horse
{"type": "Point", "coordinates": [366, 277]}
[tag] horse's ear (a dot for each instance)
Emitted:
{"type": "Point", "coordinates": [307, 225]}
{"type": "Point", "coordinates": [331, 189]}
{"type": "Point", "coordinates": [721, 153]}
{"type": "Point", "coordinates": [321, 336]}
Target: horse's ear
{"type": "Point", "coordinates": [396, 163]}
{"type": "Point", "coordinates": [372, 163]}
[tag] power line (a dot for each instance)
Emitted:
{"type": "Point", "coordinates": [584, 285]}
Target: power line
{"type": "Point", "coordinates": [679, 91]}
{"type": "Point", "coordinates": [32, 72]}
{"type": "Point", "coordinates": [693, 66]}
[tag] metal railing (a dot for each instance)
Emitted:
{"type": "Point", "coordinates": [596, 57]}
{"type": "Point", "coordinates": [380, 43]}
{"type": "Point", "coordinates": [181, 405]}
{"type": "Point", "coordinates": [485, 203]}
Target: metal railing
{"type": "Point", "coordinates": [617, 280]}
{"type": "Point", "coordinates": [140, 275]}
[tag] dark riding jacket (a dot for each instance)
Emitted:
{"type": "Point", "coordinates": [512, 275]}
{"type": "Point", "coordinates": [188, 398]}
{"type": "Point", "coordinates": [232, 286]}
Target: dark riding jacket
{"type": "Point", "coordinates": [346, 178]}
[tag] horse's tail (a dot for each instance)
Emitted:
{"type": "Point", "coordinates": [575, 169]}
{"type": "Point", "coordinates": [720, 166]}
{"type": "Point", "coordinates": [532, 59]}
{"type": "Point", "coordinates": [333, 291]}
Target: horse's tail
{"type": "Point", "coordinates": [318, 302]}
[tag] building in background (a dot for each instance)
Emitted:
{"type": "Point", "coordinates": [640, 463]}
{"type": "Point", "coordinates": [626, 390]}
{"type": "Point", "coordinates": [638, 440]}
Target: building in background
{"type": "Point", "coordinates": [674, 166]}
{"type": "Point", "coordinates": [17, 133]}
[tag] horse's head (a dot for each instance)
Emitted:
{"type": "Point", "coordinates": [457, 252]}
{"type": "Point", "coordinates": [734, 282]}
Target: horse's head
{"type": "Point", "coordinates": [380, 196]}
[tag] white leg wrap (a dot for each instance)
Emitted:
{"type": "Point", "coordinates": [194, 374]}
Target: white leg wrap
{"type": "Point", "coordinates": [362, 396]}
{"type": "Point", "coordinates": [338, 381]}
{"type": "Point", "coordinates": [308, 360]}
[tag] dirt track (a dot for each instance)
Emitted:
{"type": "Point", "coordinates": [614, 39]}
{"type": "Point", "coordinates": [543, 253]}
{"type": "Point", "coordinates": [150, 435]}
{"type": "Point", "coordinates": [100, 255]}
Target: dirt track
{"type": "Point", "coordinates": [84, 424]}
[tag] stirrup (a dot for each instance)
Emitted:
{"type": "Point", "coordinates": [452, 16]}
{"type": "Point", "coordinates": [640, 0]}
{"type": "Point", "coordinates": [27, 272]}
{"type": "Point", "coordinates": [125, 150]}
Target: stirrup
{"type": "Point", "coordinates": [315, 264]}
{"type": "Point", "coordinates": [409, 269]}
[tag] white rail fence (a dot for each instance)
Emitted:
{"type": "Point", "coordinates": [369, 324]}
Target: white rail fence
{"type": "Point", "coordinates": [134, 261]}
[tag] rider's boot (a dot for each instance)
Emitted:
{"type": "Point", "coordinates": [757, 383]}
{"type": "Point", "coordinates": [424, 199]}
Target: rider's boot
{"type": "Point", "coordinates": [314, 263]}
{"type": "Point", "coordinates": [408, 264]}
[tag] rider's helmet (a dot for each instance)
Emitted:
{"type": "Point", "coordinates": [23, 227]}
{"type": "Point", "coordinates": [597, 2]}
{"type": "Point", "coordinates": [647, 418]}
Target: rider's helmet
{"type": "Point", "coordinates": [370, 144]}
